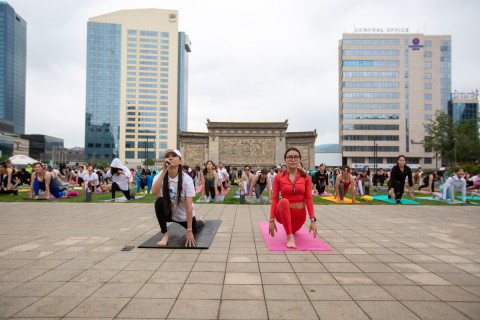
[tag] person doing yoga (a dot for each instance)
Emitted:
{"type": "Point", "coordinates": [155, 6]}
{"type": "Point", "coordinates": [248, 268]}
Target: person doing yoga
{"type": "Point", "coordinates": [259, 183]}
{"type": "Point", "coordinates": [431, 181]}
{"type": "Point", "coordinates": [399, 173]}
{"type": "Point", "coordinates": [320, 179]}
{"type": "Point", "coordinates": [175, 198]}
{"type": "Point", "coordinates": [119, 174]}
{"type": "Point", "coordinates": [43, 180]}
{"type": "Point", "coordinates": [144, 180]}
{"type": "Point", "coordinates": [343, 181]}
{"type": "Point", "coordinates": [209, 182]}
{"type": "Point", "coordinates": [90, 179]}
{"type": "Point", "coordinates": [296, 189]}
{"type": "Point", "coordinates": [453, 183]}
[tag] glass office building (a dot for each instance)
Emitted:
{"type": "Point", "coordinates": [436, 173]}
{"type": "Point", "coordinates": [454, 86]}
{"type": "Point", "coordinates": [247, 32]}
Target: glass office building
{"type": "Point", "coordinates": [13, 60]}
{"type": "Point", "coordinates": [137, 77]}
{"type": "Point", "coordinates": [390, 86]}
{"type": "Point", "coordinates": [463, 106]}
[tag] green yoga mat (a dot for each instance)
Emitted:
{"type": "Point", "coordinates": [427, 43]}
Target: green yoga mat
{"type": "Point", "coordinates": [387, 199]}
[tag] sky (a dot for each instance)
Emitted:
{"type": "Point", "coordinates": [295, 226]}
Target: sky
{"type": "Point", "coordinates": [255, 61]}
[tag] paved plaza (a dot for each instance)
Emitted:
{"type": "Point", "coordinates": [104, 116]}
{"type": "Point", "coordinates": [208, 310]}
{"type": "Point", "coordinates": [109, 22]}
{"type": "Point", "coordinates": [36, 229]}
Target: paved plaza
{"type": "Point", "coordinates": [64, 260]}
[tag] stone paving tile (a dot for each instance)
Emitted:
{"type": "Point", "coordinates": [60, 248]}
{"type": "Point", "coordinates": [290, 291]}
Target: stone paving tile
{"type": "Point", "coordinates": [118, 290]}
{"type": "Point", "coordinates": [451, 293]}
{"type": "Point", "coordinates": [146, 309]}
{"type": "Point", "coordinates": [33, 289]}
{"type": "Point", "coordinates": [339, 310]}
{"type": "Point", "coordinates": [201, 291]}
{"type": "Point", "coordinates": [50, 307]}
{"type": "Point", "coordinates": [99, 307]}
{"type": "Point", "coordinates": [387, 310]}
{"type": "Point", "coordinates": [470, 309]}
{"type": "Point", "coordinates": [291, 310]}
{"type": "Point", "coordinates": [410, 293]}
{"type": "Point", "coordinates": [195, 309]}
{"type": "Point", "coordinates": [434, 310]}
{"type": "Point", "coordinates": [428, 261]}
{"type": "Point", "coordinates": [243, 309]}
{"type": "Point", "coordinates": [12, 305]}
{"type": "Point", "coordinates": [242, 291]}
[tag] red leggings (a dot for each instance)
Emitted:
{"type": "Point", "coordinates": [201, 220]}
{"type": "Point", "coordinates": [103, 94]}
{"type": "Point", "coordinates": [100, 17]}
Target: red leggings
{"type": "Point", "coordinates": [292, 219]}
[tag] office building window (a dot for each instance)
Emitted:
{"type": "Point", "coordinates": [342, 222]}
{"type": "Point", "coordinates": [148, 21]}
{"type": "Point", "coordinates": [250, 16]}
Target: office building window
{"type": "Point", "coordinates": [427, 107]}
{"type": "Point", "coordinates": [427, 86]}
{"type": "Point", "coordinates": [427, 54]}
{"type": "Point", "coordinates": [382, 116]}
{"type": "Point", "coordinates": [371, 95]}
{"type": "Point", "coordinates": [356, 105]}
{"type": "Point", "coordinates": [370, 84]}
{"type": "Point", "coordinates": [358, 160]}
{"type": "Point", "coordinates": [427, 96]}
{"type": "Point", "coordinates": [370, 63]}
{"type": "Point", "coordinates": [427, 76]}
{"type": "Point", "coordinates": [428, 117]}
{"type": "Point", "coordinates": [370, 138]}
{"type": "Point", "coordinates": [370, 52]}
{"type": "Point", "coordinates": [370, 148]}
{"type": "Point", "coordinates": [427, 65]}
{"type": "Point", "coordinates": [427, 43]}
{"type": "Point", "coordinates": [427, 160]}
{"type": "Point", "coordinates": [380, 127]}
{"type": "Point", "coordinates": [373, 42]}
{"type": "Point", "coordinates": [371, 74]}
{"type": "Point", "coordinates": [130, 154]}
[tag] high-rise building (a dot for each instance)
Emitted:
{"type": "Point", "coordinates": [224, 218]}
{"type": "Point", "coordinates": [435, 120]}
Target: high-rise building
{"type": "Point", "coordinates": [137, 67]}
{"type": "Point", "coordinates": [390, 87]}
{"type": "Point", "coordinates": [13, 62]}
{"type": "Point", "coordinates": [463, 106]}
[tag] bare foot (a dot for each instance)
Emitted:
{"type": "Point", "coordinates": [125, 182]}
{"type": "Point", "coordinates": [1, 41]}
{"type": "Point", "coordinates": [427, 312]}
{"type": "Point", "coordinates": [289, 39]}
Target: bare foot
{"type": "Point", "coordinates": [208, 199]}
{"type": "Point", "coordinates": [164, 241]}
{"type": "Point", "coordinates": [291, 241]}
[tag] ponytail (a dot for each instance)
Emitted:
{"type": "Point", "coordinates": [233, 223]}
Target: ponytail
{"type": "Point", "coordinates": [167, 202]}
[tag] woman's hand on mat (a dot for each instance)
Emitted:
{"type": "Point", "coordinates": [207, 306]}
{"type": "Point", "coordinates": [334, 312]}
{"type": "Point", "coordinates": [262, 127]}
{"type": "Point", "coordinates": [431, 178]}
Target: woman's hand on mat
{"type": "Point", "coordinates": [313, 228]}
{"type": "Point", "coordinates": [190, 240]}
{"type": "Point", "coordinates": [202, 198]}
{"type": "Point", "coordinates": [272, 228]}
{"type": "Point", "coordinates": [249, 197]}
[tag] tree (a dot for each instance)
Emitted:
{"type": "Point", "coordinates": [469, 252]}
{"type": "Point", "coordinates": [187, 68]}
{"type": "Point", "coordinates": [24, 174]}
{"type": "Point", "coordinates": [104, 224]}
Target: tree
{"type": "Point", "coordinates": [454, 141]}
{"type": "Point", "coordinates": [103, 164]}
{"type": "Point", "coordinates": [148, 162]}
{"type": "Point", "coordinates": [93, 162]}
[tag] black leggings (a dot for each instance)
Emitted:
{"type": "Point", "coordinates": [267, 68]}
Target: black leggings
{"type": "Point", "coordinates": [116, 188]}
{"type": "Point", "coordinates": [259, 189]}
{"type": "Point", "coordinates": [163, 218]}
{"type": "Point", "coordinates": [209, 190]}
{"type": "Point", "coordinates": [398, 188]}
{"type": "Point", "coordinates": [320, 186]}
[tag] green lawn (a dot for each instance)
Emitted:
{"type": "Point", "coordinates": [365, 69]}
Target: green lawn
{"type": "Point", "coordinates": [228, 199]}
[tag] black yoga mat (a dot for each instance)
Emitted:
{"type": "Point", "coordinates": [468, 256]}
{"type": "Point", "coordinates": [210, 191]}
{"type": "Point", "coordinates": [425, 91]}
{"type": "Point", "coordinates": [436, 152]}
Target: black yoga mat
{"type": "Point", "coordinates": [176, 236]}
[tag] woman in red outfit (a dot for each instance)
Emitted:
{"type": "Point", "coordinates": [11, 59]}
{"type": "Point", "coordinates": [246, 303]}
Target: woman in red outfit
{"type": "Point", "coordinates": [296, 189]}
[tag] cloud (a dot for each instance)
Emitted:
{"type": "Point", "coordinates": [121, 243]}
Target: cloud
{"type": "Point", "coordinates": [250, 61]}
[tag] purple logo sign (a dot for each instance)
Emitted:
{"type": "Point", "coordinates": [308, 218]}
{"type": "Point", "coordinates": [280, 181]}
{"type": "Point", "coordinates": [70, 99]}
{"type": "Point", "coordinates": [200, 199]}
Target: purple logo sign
{"type": "Point", "coordinates": [416, 45]}
{"type": "Point", "coordinates": [416, 41]}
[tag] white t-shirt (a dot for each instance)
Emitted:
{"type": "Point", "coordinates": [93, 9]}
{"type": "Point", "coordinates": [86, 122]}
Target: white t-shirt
{"type": "Point", "coordinates": [271, 176]}
{"type": "Point", "coordinates": [179, 212]}
{"type": "Point", "coordinates": [222, 174]}
{"type": "Point", "coordinates": [91, 178]}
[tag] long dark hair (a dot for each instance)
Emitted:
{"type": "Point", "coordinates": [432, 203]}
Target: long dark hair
{"type": "Point", "coordinates": [205, 171]}
{"type": "Point", "coordinates": [167, 202]}
{"type": "Point", "coordinates": [302, 173]}
{"type": "Point", "coordinates": [114, 171]}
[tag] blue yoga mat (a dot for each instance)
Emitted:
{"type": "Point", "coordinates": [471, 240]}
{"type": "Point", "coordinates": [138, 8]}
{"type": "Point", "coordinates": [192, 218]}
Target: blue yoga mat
{"type": "Point", "coordinates": [220, 198]}
{"type": "Point", "coordinates": [436, 199]}
{"type": "Point", "coordinates": [387, 199]}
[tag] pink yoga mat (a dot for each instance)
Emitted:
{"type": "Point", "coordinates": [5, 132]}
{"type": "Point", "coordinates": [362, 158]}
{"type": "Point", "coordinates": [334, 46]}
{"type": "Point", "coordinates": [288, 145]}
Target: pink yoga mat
{"type": "Point", "coordinates": [303, 239]}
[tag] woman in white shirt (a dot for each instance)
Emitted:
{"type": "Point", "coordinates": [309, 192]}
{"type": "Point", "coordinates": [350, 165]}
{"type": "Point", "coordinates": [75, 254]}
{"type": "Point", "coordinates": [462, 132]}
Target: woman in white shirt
{"type": "Point", "coordinates": [119, 175]}
{"type": "Point", "coordinates": [453, 183]}
{"type": "Point", "coordinates": [91, 181]}
{"type": "Point", "coordinates": [175, 198]}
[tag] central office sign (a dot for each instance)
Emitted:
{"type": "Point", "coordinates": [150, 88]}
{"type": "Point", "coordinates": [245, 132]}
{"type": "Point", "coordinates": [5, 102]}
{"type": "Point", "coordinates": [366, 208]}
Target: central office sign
{"type": "Point", "coordinates": [381, 30]}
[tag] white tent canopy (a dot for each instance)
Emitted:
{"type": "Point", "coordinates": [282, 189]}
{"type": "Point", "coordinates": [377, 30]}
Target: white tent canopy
{"type": "Point", "coordinates": [21, 160]}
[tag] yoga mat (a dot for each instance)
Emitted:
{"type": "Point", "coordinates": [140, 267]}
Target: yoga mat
{"type": "Point", "coordinates": [469, 198]}
{"type": "Point", "coordinates": [40, 198]}
{"type": "Point", "coordinates": [347, 200]}
{"type": "Point", "coordinates": [198, 189]}
{"type": "Point", "coordinates": [225, 192]}
{"type": "Point", "coordinates": [387, 199]}
{"type": "Point", "coordinates": [324, 194]}
{"type": "Point", "coordinates": [449, 202]}
{"type": "Point", "coordinates": [303, 239]}
{"type": "Point", "coordinates": [176, 236]}
{"type": "Point", "coordinates": [122, 199]}
{"type": "Point", "coordinates": [220, 198]}
{"type": "Point", "coordinates": [421, 191]}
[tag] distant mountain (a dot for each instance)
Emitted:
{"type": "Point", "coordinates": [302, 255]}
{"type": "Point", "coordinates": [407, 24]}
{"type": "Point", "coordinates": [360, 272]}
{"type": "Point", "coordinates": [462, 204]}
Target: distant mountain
{"type": "Point", "coordinates": [327, 148]}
